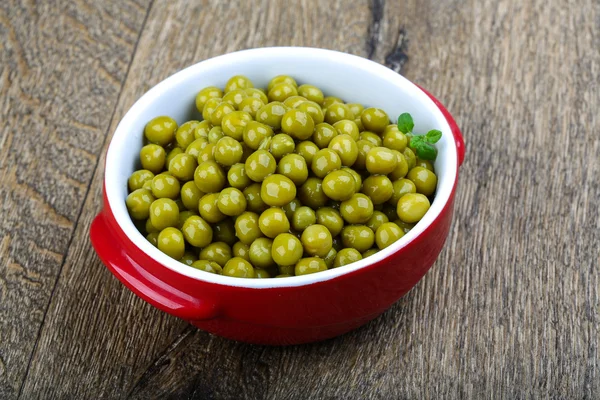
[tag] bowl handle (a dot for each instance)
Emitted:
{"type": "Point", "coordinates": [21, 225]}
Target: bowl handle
{"type": "Point", "coordinates": [147, 286]}
{"type": "Point", "coordinates": [458, 138]}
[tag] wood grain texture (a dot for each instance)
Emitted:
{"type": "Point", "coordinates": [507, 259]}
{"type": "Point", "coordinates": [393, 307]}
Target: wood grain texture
{"type": "Point", "coordinates": [511, 309]}
{"type": "Point", "coordinates": [61, 69]}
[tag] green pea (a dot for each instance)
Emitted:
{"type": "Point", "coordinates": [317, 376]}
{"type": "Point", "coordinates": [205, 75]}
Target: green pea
{"type": "Point", "coordinates": [224, 108]}
{"type": "Point", "coordinates": [235, 97]}
{"type": "Point", "coordinates": [139, 202]}
{"type": "Point", "coordinates": [153, 238]}
{"type": "Point", "coordinates": [224, 231]}
{"type": "Point", "coordinates": [208, 266]}
{"type": "Point", "coordinates": [330, 257]}
{"type": "Point", "coordinates": [271, 114]}
{"type": "Point", "coordinates": [298, 124]}
{"type": "Point", "coordinates": [251, 106]}
{"type": "Point", "coordinates": [247, 228]}
{"type": "Point", "coordinates": [240, 249]}
{"type": "Point", "coordinates": [215, 134]}
{"type": "Point", "coordinates": [273, 221]}
{"type": "Point", "coordinates": [425, 180]}
{"type": "Point", "coordinates": [219, 252]}
{"type": "Point", "coordinates": [372, 138]}
{"type": "Point", "coordinates": [356, 108]}
{"type": "Point", "coordinates": [412, 207]}
{"type": "Point", "coordinates": [237, 177]}
{"type": "Point", "coordinates": [357, 210]}
{"type": "Point", "coordinates": [260, 165]}
{"type": "Point", "coordinates": [152, 157]}
{"type": "Point", "coordinates": [170, 242]}
{"type": "Point", "coordinates": [286, 249]}
{"type": "Point", "coordinates": [257, 94]}
{"type": "Point", "coordinates": [293, 166]}
{"type": "Point", "coordinates": [337, 112]}
{"type": "Point", "coordinates": [377, 219]}
{"type": "Point", "coordinates": [331, 219]}
{"type": "Point", "coordinates": [307, 150]}
{"type": "Point", "coordinates": [312, 109]}
{"type": "Point", "coordinates": [190, 195]}
{"type": "Point", "coordinates": [196, 147]}
{"type": "Point", "coordinates": [325, 161]}
{"type": "Point", "coordinates": [185, 134]}
{"type": "Point", "coordinates": [183, 166]}
{"type": "Point", "coordinates": [310, 265]}
{"type": "Point", "coordinates": [317, 240]}
{"type": "Point", "coordinates": [234, 124]}
{"type": "Point", "coordinates": [374, 119]}
{"type": "Point", "coordinates": [164, 213]}
{"type": "Point", "coordinates": [197, 231]}
{"type": "Point", "coordinates": [378, 188]}
{"type": "Point", "coordinates": [323, 135]}
{"type": "Point", "coordinates": [303, 218]}
{"type": "Point", "coordinates": [401, 187]}
{"type": "Point", "coordinates": [381, 160]}
{"type": "Point", "coordinates": [281, 145]}
{"type": "Point", "coordinates": [209, 209]}
{"type": "Point", "coordinates": [311, 93]}
{"type": "Point", "coordinates": [228, 151]}
{"type": "Point", "coordinates": [209, 177]}
{"type": "Point", "coordinates": [138, 178]}
{"type": "Point", "coordinates": [339, 185]}
{"type": "Point", "coordinates": [359, 237]}
{"type": "Point", "coordinates": [277, 190]}
{"type": "Point", "coordinates": [394, 139]}
{"type": "Point", "coordinates": [387, 234]}
{"type": "Point", "coordinates": [254, 202]}
{"type": "Point", "coordinates": [238, 82]}
{"type": "Point", "coordinates": [207, 153]}
{"type": "Point", "coordinates": [311, 193]}
{"type": "Point", "coordinates": [401, 168]}
{"type": "Point", "coordinates": [206, 94]}
{"type": "Point", "coordinates": [260, 253]}
{"type": "Point", "coordinates": [346, 256]}
{"type": "Point", "coordinates": [282, 91]}
{"type": "Point", "coordinates": [255, 133]}
{"type": "Point", "coordinates": [291, 207]}
{"type": "Point", "coordinates": [201, 130]}
{"type": "Point", "coordinates": [369, 252]}
{"type": "Point", "coordinates": [239, 268]}
{"type": "Point", "coordinates": [209, 107]}
{"type": "Point", "coordinates": [329, 100]}
{"type": "Point", "coordinates": [160, 130]}
{"type": "Point", "coordinates": [281, 79]}
{"type": "Point", "coordinates": [188, 258]}
{"type": "Point", "coordinates": [347, 127]}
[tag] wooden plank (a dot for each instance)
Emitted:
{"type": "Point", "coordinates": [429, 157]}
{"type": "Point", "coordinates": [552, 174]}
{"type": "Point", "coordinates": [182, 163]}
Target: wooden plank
{"type": "Point", "coordinates": [99, 339]}
{"type": "Point", "coordinates": [61, 69]}
{"type": "Point", "coordinates": [512, 306]}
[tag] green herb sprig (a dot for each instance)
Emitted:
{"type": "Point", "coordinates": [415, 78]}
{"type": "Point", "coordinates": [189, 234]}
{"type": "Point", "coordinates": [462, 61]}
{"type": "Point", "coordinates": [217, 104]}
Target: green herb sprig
{"type": "Point", "coordinates": [423, 145]}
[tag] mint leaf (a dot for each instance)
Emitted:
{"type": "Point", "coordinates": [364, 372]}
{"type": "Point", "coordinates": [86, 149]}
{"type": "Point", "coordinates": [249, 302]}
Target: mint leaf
{"type": "Point", "coordinates": [415, 141]}
{"type": "Point", "coordinates": [433, 136]}
{"type": "Point", "coordinates": [405, 123]}
{"type": "Point", "coordinates": [426, 151]}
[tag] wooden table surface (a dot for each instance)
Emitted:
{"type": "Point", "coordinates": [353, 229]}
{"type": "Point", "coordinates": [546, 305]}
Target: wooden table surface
{"type": "Point", "coordinates": [511, 308]}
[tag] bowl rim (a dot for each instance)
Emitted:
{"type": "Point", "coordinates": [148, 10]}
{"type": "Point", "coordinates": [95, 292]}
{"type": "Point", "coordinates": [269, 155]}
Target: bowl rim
{"type": "Point", "coordinates": [125, 223]}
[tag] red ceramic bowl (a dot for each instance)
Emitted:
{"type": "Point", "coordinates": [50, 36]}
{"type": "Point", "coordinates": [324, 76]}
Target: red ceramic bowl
{"type": "Point", "coordinates": [277, 311]}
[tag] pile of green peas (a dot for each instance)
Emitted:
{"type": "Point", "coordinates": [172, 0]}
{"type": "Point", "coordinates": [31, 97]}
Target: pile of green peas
{"type": "Point", "coordinates": [277, 182]}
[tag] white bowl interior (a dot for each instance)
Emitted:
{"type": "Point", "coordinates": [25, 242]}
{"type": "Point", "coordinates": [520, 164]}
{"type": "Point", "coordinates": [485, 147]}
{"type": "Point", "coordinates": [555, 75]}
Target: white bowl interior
{"type": "Point", "coordinates": [349, 77]}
